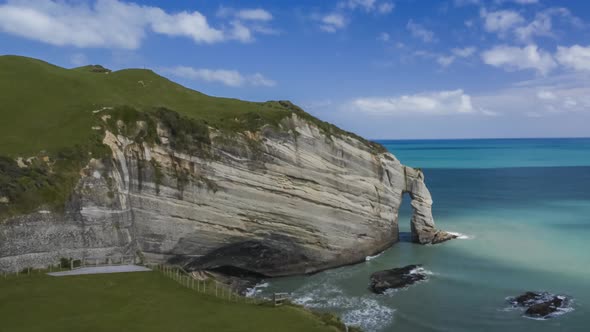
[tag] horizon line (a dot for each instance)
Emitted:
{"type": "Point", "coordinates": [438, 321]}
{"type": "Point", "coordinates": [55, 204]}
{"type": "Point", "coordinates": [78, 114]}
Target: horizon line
{"type": "Point", "coordinates": [476, 138]}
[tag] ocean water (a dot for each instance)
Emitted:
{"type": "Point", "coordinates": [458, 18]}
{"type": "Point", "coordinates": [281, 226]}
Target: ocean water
{"type": "Point", "coordinates": [524, 209]}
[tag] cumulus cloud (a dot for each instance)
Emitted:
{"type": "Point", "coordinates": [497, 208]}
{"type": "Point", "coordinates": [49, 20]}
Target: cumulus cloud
{"type": "Point", "coordinates": [231, 78]}
{"type": "Point", "coordinates": [431, 103]}
{"type": "Point", "coordinates": [575, 57]}
{"type": "Point", "coordinates": [516, 58]}
{"type": "Point", "coordinates": [116, 24]}
{"type": "Point", "coordinates": [332, 22]}
{"type": "Point", "coordinates": [510, 23]}
{"type": "Point", "coordinates": [419, 31]}
{"type": "Point", "coordinates": [500, 21]}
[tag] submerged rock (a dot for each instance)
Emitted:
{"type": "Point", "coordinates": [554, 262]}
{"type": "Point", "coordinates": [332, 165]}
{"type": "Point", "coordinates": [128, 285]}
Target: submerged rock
{"type": "Point", "coordinates": [541, 305]}
{"type": "Point", "coordinates": [396, 278]}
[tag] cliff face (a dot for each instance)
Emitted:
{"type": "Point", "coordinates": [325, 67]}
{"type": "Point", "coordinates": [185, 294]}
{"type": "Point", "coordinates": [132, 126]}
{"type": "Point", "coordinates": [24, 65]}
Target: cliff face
{"type": "Point", "coordinates": [275, 202]}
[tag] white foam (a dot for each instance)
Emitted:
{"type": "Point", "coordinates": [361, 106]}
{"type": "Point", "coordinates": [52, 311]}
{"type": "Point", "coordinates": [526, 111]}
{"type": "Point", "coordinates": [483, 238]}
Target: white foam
{"type": "Point", "coordinates": [461, 236]}
{"type": "Point", "coordinates": [368, 258]}
{"type": "Point", "coordinates": [421, 270]}
{"type": "Point", "coordinates": [370, 316]}
{"type": "Point", "coordinates": [251, 292]}
{"type": "Point", "coordinates": [364, 311]}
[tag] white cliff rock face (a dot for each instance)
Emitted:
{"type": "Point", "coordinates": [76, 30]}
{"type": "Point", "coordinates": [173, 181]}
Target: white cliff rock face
{"type": "Point", "coordinates": [274, 203]}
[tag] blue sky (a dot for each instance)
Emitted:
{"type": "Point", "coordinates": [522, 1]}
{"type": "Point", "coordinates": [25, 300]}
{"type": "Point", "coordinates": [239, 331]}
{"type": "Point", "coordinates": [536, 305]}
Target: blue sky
{"type": "Point", "coordinates": [380, 68]}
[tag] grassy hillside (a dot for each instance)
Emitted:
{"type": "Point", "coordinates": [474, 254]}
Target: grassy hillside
{"type": "Point", "coordinates": [146, 302]}
{"type": "Point", "coordinates": [48, 112]}
{"type": "Point", "coordinates": [45, 107]}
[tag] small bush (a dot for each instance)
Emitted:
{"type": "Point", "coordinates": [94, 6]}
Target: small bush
{"type": "Point", "coordinates": [65, 263]}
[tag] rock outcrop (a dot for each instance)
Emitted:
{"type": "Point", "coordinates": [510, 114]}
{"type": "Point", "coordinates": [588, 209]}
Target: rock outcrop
{"type": "Point", "coordinates": [541, 304]}
{"type": "Point", "coordinates": [280, 201]}
{"type": "Point", "coordinates": [401, 277]}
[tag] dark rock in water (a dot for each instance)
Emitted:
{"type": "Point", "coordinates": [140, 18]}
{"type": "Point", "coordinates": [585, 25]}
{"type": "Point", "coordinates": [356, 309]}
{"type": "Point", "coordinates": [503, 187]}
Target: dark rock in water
{"type": "Point", "coordinates": [545, 308]}
{"type": "Point", "coordinates": [527, 299]}
{"type": "Point", "coordinates": [442, 236]}
{"type": "Point", "coordinates": [541, 305]}
{"type": "Point", "coordinates": [395, 278]}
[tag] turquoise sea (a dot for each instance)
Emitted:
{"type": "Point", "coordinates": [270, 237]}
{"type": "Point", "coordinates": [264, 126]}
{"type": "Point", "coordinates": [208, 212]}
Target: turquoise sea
{"type": "Point", "coordinates": [523, 206]}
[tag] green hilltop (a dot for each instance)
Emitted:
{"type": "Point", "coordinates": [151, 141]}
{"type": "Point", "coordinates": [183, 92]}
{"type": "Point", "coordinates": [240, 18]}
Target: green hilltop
{"type": "Point", "coordinates": [46, 107]}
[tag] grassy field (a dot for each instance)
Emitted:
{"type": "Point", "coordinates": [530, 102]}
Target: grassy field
{"type": "Point", "coordinates": [143, 302]}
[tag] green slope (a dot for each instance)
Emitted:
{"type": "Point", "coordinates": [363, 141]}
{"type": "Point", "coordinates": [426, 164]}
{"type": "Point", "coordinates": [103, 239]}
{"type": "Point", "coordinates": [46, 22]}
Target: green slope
{"type": "Point", "coordinates": [45, 107]}
{"type": "Point", "coordinates": [142, 302]}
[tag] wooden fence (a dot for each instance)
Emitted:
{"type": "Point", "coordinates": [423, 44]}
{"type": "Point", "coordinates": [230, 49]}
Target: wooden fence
{"type": "Point", "coordinates": [208, 286]}
{"type": "Point", "coordinates": [199, 282]}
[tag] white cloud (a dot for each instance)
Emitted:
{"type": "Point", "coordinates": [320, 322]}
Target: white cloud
{"type": "Point", "coordinates": [385, 8]}
{"type": "Point", "coordinates": [546, 95]}
{"type": "Point", "coordinates": [259, 80]}
{"type": "Point", "coordinates": [384, 36]}
{"type": "Point", "coordinates": [520, 2]}
{"type": "Point", "coordinates": [445, 61]}
{"type": "Point", "coordinates": [332, 22]}
{"type": "Point", "coordinates": [464, 52]}
{"type": "Point", "coordinates": [185, 24]}
{"type": "Point", "coordinates": [231, 78]}
{"type": "Point", "coordinates": [117, 24]}
{"type": "Point", "coordinates": [367, 5]}
{"type": "Point", "coordinates": [418, 31]}
{"type": "Point", "coordinates": [516, 58]}
{"type": "Point", "coordinates": [536, 102]}
{"type": "Point", "coordinates": [540, 26]}
{"type": "Point", "coordinates": [254, 14]}
{"type": "Point", "coordinates": [575, 57]}
{"type": "Point", "coordinates": [432, 103]}
{"type": "Point", "coordinates": [509, 22]}
{"type": "Point", "coordinates": [500, 21]}
{"type": "Point", "coordinates": [240, 32]}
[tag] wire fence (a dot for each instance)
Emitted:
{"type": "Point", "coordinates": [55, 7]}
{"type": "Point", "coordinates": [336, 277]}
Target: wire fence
{"type": "Point", "coordinates": [200, 283]}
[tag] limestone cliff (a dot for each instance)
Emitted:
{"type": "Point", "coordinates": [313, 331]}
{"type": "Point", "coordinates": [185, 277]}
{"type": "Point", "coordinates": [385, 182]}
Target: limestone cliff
{"type": "Point", "coordinates": [283, 200]}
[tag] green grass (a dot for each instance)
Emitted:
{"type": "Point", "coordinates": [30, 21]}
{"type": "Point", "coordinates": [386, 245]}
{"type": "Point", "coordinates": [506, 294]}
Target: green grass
{"type": "Point", "coordinates": [45, 107]}
{"type": "Point", "coordinates": [143, 302]}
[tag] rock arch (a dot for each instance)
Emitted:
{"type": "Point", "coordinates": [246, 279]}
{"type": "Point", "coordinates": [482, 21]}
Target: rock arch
{"type": "Point", "coordinates": [423, 228]}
